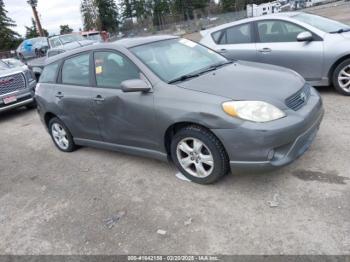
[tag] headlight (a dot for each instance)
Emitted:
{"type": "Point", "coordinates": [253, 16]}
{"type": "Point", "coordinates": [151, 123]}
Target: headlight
{"type": "Point", "coordinates": [30, 76]}
{"type": "Point", "coordinates": [256, 111]}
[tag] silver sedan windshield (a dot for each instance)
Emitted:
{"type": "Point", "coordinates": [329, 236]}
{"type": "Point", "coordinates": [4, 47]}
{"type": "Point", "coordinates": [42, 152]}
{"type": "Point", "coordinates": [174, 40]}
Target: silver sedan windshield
{"type": "Point", "coordinates": [321, 23]}
{"type": "Point", "coordinates": [172, 59]}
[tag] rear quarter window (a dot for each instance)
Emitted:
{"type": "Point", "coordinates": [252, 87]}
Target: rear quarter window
{"type": "Point", "coordinates": [49, 73]}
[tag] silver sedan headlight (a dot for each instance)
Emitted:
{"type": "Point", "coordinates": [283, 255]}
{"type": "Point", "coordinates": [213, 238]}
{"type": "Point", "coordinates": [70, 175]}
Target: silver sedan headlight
{"type": "Point", "coordinates": [256, 111]}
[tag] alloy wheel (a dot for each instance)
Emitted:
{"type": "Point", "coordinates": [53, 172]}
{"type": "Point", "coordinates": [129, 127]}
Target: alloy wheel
{"type": "Point", "coordinates": [344, 79]}
{"type": "Point", "coordinates": [60, 136]}
{"type": "Point", "coordinates": [195, 157]}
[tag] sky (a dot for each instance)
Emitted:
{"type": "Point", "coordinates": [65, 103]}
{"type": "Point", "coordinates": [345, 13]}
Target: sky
{"type": "Point", "coordinates": [53, 13]}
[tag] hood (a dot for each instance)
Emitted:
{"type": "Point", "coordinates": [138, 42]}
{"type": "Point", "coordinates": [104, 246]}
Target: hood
{"type": "Point", "coordinates": [248, 81]}
{"type": "Point", "coordinates": [10, 71]}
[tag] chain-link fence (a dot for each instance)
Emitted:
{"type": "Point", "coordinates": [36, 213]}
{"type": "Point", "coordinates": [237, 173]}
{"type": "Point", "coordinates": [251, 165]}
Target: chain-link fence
{"type": "Point", "coordinates": [195, 25]}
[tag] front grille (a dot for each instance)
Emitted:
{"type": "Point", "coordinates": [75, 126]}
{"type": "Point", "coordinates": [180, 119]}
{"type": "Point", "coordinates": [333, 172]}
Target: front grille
{"type": "Point", "coordinates": [299, 99]}
{"type": "Point", "coordinates": [9, 84]}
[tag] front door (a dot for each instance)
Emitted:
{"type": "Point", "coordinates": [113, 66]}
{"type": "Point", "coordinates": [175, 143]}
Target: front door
{"type": "Point", "coordinates": [278, 45]}
{"type": "Point", "coordinates": [124, 118]}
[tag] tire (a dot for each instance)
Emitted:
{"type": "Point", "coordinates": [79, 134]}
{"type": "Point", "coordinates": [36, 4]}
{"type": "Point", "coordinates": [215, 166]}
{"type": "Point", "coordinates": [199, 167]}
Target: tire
{"type": "Point", "coordinates": [342, 70]}
{"type": "Point", "coordinates": [193, 161]}
{"type": "Point", "coordinates": [57, 125]}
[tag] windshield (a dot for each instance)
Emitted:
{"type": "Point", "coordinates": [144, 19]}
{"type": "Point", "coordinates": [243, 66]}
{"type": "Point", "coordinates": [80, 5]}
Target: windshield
{"type": "Point", "coordinates": [322, 23]}
{"type": "Point", "coordinates": [3, 65]}
{"type": "Point", "coordinates": [171, 59]}
{"type": "Point", "coordinates": [70, 38]}
{"type": "Point", "coordinates": [11, 62]}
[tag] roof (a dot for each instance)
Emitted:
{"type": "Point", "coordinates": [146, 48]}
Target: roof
{"type": "Point", "coordinates": [135, 41]}
{"type": "Point", "coordinates": [126, 43]}
{"type": "Point", "coordinates": [251, 19]}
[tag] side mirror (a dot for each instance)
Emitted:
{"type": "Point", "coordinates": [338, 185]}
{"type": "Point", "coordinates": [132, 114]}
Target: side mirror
{"type": "Point", "coordinates": [135, 85]}
{"type": "Point", "coordinates": [305, 37]}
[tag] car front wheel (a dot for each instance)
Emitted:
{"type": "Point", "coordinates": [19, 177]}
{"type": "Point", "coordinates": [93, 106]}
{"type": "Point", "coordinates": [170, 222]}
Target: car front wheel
{"type": "Point", "coordinates": [341, 78]}
{"type": "Point", "coordinates": [199, 155]}
{"type": "Point", "coordinates": [61, 135]}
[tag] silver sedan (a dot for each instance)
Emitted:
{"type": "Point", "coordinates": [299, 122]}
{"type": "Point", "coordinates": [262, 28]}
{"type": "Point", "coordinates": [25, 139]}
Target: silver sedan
{"type": "Point", "coordinates": [318, 48]}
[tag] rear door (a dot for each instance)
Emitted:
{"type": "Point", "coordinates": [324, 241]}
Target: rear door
{"type": "Point", "coordinates": [75, 97]}
{"type": "Point", "coordinates": [236, 42]}
{"type": "Point", "coordinates": [278, 45]}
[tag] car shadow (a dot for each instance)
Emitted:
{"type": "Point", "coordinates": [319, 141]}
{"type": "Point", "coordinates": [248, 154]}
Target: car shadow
{"type": "Point", "coordinates": [16, 112]}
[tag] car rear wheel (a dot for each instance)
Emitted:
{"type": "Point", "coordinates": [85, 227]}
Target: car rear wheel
{"type": "Point", "coordinates": [61, 135]}
{"type": "Point", "coordinates": [341, 77]}
{"type": "Point", "coordinates": [199, 155]}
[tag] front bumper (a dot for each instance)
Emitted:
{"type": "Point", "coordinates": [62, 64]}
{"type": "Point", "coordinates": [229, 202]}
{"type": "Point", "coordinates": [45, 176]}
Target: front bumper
{"type": "Point", "coordinates": [265, 146]}
{"type": "Point", "coordinates": [24, 97]}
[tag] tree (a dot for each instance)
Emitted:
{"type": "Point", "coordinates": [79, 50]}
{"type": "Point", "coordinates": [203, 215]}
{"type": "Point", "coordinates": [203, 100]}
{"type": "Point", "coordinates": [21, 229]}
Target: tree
{"type": "Point", "coordinates": [89, 14]}
{"type": "Point", "coordinates": [65, 29]}
{"type": "Point", "coordinates": [32, 31]}
{"type": "Point", "coordinates": [33, 4]}
{"type": "Point", "coordinates": [107, 15]}
{"type": "Point", "coordinates": [161, 8]}
{"type": "Point", "coordinates": [9, 38]}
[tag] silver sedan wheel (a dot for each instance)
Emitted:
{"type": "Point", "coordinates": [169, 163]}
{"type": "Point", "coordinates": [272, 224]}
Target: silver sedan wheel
{"type": "Point", "coordinates": [344, 78]}
{"type": "Point", "coordinates": [60, 136]}
{"type": "Point", "coordinates": [195, 157]}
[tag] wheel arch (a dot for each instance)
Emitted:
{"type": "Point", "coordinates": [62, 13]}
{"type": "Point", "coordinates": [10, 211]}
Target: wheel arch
{"type": "Point", "coordinates": [175, 127]}
{"type": "Point", "coordinates": [47, 117]}
{"type": "Point", "coordinates": [334, 66]}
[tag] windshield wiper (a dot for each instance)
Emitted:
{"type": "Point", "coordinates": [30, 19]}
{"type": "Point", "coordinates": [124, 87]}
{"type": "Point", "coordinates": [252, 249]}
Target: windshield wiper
{"type": "Point", "coordinates": [341, 30]}
{"type": "Point", "coordinates": [215, 66]}
{"type": "Point", "coordinates": [183, 78]}
{"type": "Point", "coordinates": [205, 70]}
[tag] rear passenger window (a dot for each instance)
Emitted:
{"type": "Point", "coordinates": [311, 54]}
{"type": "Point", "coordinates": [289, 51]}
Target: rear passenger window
{"type": "Point", "coordinates": [240, 34]}
{"type": "Point", "coordinates": [49, 74]}
{"type": "Point", "coordinates": [75, 70]}
{"type": "Point", "coordinates": [216, 36]}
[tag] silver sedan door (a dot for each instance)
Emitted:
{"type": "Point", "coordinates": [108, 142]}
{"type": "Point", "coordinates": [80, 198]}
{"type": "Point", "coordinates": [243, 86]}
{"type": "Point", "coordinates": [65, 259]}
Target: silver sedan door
{"type": "Point", "coordinates": [277, 44]}
{"type": "Point", "coordinates": [236, 42]}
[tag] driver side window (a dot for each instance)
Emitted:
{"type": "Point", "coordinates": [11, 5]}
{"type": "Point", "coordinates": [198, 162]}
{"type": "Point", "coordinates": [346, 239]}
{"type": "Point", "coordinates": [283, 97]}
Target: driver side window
{"type": "Point", "coordinates": [112, 69]}
{"type": "Point", "coordinates": [274, 31]}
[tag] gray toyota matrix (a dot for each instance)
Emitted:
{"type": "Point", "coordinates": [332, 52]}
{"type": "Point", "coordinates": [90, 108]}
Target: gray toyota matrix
{"type": "Point", "coordinates": [171, 98]}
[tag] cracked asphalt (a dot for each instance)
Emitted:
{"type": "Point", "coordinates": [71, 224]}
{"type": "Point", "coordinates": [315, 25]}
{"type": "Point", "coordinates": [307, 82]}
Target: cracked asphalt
{"type": "Point", "coordinates": [99, 202]}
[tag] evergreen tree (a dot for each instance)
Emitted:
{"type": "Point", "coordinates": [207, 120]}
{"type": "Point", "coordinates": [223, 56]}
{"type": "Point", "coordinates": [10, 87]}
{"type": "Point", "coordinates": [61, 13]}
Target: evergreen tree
{"type": "Point", "coordinates": [9, 38]}
{"type": "Point", "coordinates": [65, 29]}
{"type": "Point", "coordinates": [228, 5]}
{"type": "Point", "coordinates": [32, 31]}
{"type": "Point", "coordinates": [107, 15]}
{"type": "Point", "coordinates": [89, 14]}
{"type": "Point", "coordinates": [126, 7]}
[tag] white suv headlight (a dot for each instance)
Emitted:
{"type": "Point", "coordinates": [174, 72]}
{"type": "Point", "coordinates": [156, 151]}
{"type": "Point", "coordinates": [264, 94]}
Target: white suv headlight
{"type": "Point", "coordinates": [256, 111]}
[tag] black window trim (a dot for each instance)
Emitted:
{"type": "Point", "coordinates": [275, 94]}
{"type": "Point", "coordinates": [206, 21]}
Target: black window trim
{"type": "Point", "coordinates": [117, 52]}
{"type": "Point", "coordinates": [257, 36]}
{"type": "Point", "coordinates": [59, 78]}
{"type": "Point", "coordinates": [223, 32]}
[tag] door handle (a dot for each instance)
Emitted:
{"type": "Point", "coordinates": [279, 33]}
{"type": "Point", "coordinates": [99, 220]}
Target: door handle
{"type": "Point", "coordinates": [99, 98]}
{"type": "Point", "coordinates": [222, 50]}
{"type": "Point", "coordinates": [59, 95]}
{"type": "Point", "coordinates": [265, 50]}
